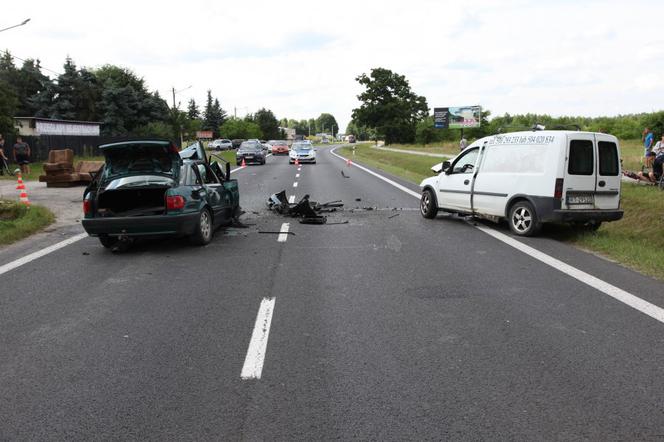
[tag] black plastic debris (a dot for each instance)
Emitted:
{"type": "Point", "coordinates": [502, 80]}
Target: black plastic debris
{"type": "Point", "coordinates": [308, 211]}
{"type": "Point", "coordinates": [343, 174]}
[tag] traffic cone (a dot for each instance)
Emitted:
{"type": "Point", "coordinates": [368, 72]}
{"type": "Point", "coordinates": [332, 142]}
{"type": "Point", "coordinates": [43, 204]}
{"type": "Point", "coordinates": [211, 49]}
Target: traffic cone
{"type": "Point", "coordinates": [297, 162]}
{"type": "Point", "coordinates": [244, 163]}
{"type": "Point", "coordinates": [19, 184]}
{"type": "Point", "coordinates": [24, 197]}
{"type": "Point", "coordinates": [348, 162]}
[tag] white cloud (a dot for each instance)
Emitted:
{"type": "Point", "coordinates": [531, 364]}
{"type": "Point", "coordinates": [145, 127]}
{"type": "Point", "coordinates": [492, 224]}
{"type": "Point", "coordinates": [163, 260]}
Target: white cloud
{"type": "Point", "coordinates": [301, 58]}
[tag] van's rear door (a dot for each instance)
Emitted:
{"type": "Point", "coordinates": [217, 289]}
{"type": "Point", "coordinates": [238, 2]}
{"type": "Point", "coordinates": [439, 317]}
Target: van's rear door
{"type": "Point", "coordinates": [607, 192]}
{"type": "Point", "coordinates": [580, 178]}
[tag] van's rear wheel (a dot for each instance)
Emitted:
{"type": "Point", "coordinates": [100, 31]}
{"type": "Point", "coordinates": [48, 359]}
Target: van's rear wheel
{"type": "Point", "coordinates": [523, 219]}
{"type": "Point", "coordinates": [428, 206]}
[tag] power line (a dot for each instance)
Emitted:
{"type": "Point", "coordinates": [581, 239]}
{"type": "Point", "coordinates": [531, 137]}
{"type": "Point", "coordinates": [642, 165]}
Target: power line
{"type": "Point", "coordinates": [40, 66]}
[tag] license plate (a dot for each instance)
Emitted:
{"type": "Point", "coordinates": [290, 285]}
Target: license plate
{"type": "Point", "coordinates": [581, 199]}
{"type": "Point", "coordinates": [250, 157]}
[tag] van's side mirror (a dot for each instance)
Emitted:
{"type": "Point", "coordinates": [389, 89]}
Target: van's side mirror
{"type": "Point", "coordinates": [440, 167]}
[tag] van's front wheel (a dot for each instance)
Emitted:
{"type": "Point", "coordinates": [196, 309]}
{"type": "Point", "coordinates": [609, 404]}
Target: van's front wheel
{"type": "Point", "coordinates": [428, 205]}
{"type": "Point", "coordinates": [523, 219]}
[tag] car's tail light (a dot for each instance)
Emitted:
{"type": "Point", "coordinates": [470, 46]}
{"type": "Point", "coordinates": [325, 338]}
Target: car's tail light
{"type": "Point", "coordinates": [87, 207]}
{"type": "Point", "coordinates": [558, 191]}
{"type": "Point", "coordinates": [174, 202]}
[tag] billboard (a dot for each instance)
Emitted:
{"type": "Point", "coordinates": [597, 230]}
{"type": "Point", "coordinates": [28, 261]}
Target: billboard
{"type": "Point", "coordinates": [204, 134]}
{"type": "Point", "coordinates": [462, 117]}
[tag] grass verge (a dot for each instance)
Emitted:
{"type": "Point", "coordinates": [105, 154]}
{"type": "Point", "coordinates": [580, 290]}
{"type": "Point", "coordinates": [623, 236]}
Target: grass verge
{"type": "Point", "coordinates": [18, 221]}
{"type": "Point", "coordinates": [636, 241]}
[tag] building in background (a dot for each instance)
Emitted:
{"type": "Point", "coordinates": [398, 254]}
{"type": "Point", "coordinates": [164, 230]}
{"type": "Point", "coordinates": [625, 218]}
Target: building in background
{"type": "Point", "coordinates": [36, 127]}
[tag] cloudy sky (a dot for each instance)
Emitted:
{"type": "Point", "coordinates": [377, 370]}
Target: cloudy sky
{"type": "Point", "coordinates": [300, 58]}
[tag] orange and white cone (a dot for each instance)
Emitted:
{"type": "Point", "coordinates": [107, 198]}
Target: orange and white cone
{"type": "Point", "coordinates": [24, 197]}
{"type": "Point", "coordinates": [244, 163]}
{"type": "Point", "coordinates": [348, 162]}
{"type": "Point", "coordinates": [297, 162]}
{"type": "Point", "coordinates": [19, 183]}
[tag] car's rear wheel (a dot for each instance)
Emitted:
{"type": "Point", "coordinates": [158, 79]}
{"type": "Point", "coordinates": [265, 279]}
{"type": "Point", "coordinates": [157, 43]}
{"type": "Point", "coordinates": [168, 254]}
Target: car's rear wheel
{"type": "Point", "coordinates": [428, 205]}
{"type": "Point", "coordinates": [108, 241]}
{"type": "Point", "coordinates": [523, 219]}
{"type": "Point", "coordinates": [203, 233]}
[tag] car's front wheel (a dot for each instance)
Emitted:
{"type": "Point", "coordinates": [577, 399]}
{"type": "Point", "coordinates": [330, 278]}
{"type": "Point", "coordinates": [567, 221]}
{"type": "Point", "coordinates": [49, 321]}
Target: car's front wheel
{"type": "Point", "coordinates": [523, 219]}
{"type": "Point", "coordinates": [428, 205]}
{"type": "Point", "coordinates": [203, 233]}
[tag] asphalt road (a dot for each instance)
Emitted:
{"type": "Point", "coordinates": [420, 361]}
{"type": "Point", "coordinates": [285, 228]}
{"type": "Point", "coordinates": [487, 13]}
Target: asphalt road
{"type": "Point", "coordinates": [388, 327]}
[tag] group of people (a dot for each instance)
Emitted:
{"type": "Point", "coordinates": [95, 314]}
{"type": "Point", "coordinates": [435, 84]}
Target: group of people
{"type": "Point", "coordinates": [20, 154]}
{"type": "Point", "coordinates": [653, 158]}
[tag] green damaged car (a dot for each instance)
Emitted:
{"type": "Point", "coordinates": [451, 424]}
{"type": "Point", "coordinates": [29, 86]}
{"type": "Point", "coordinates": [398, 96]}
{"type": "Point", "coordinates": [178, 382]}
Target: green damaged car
{"type": "Point", "coordinates": [149, 188]}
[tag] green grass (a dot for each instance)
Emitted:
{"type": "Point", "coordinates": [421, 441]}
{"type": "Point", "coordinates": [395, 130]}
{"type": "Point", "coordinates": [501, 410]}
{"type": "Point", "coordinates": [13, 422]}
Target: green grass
{"type": "Point", "coordinates": [411, 167]}
{"type": "Point", "coordinates": [18, 221]}
{"type": "Point", "coordinates": [37, 168]}
{"type": "Point", "coordinates": [228, 155]}
{"type": "Point", "coordinates": [636, 241]}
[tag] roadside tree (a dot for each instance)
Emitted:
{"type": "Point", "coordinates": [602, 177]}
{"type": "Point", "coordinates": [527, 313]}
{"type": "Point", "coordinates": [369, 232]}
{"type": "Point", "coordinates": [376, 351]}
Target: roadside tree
{"type": "Point", "coordinates": [268, 123]}
{"type": "Point", "coordinates": [389, 106]}
{"type": "Point", "coordinates": [240, 128]}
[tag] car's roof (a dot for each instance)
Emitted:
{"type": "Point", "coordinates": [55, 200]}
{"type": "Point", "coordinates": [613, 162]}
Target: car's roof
{"type": "Point", "coordinates": [156, 142]}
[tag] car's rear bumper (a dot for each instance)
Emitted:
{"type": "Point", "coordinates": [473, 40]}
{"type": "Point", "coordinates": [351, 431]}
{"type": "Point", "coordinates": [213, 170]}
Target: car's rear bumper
{"type": "Point", "coordinates": [587, 215]}
{"type": "Point", "coordinates": [184, 224]}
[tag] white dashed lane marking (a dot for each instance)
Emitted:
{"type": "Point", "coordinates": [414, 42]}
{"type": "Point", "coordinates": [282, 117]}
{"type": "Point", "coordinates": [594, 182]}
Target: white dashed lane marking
{"type": "Point", "coordinates": [253, 362]}
{"type": "Point", "coordinates": [283, 233]}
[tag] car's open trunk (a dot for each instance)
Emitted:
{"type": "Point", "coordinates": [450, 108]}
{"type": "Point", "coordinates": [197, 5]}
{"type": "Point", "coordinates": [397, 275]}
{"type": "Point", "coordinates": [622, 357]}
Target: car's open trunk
{"type": "Point", "coordinates": [142, 201]}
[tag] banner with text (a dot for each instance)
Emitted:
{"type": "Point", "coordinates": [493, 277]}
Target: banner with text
{"type": "Point", "coordinates": [457, 117]}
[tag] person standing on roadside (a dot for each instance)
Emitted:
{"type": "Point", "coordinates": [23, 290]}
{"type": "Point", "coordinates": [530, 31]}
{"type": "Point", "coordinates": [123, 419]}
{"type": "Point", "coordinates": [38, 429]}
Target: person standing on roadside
{"type": "Point", "coordinates": [648, 139]}
{"type": "Point", "coordinates": [463, 143]}
{"type": "Point", "coordinates": [22, 155]}
{"type": "Point", "coordinates": [3, 157]}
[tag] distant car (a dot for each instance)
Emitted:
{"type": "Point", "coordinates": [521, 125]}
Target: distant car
{"type": "Point", "coordinates": [221, 144]}
{"type": "Point", "coordinates": [303, 152]}
{"type": "Point", "coordinates": [236, 143]}
{"type": "Point", "coordinates": [147, 188]}
{"type": "Point", "coordinates": [250, 152]}
{"type": "Point", "coordinates": [279, 148]}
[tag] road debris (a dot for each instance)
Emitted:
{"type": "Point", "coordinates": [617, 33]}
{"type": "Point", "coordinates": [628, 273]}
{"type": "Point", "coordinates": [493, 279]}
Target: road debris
{"type": "Point", "coordinates": [308, 211]}
{"type": "Point", "coordinates": [343, 174]}
{"type": "Point", "coordinates": [392, 216]}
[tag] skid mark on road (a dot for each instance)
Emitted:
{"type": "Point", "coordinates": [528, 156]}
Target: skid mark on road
{"type": "Point", "coordinates": [253, 362]}
{"type": "Point", "coordinates": [614, 292]}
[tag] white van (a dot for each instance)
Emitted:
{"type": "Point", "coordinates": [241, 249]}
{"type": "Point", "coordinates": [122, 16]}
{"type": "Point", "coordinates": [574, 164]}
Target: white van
{"type": "Point", "coordinates": [530, 178]}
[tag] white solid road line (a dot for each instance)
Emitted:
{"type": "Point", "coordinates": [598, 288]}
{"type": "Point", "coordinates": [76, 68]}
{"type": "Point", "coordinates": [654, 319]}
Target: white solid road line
{"type": "Point", "coordinates": [253, 362]}
{"type": "Point", "coordinates": [291, 199]}
{"type": "Point", "coordinates": [38, 254]}
{"type": "Point", "coordinates": [283, 233]}
{"type": "Point", "coordinates": [616, 293]}
{"type": "Point", "coordinates": [619, 294]}
{"type": "Point", "coordinates": [387, 180]}
{"type": "Point", "coordinates": [295, 184]}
